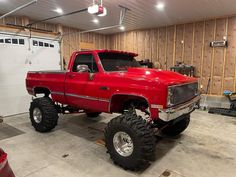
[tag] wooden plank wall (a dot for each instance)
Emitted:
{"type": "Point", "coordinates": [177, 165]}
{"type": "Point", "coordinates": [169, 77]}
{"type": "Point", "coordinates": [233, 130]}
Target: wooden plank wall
{"type": "Point", "coordinates": [188, 43]}
{"type": "Point", "coordinates": [71, 42]}
{"type": "Point", "coordinates": [229, 79]}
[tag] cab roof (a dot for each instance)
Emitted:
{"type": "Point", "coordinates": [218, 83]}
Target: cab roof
{"type": "Point", "coordinates": [113, 51]}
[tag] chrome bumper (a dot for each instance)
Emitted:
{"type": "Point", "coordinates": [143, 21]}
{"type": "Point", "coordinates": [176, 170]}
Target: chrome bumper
{"type": "Point", "coordinates": [175, 112]}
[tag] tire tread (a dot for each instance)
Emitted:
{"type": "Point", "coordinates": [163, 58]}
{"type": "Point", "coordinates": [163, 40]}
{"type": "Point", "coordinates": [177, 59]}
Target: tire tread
{"type": "Point", "coordinates": [49, 113]}
{"type": "Point", "coordinates": [143, 132]}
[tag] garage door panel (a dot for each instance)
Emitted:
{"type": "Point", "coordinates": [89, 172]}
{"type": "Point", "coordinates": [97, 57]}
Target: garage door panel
{"type": "Point", "coordinates": [37, 62]}
{"type": "Point", "coordinates": [16, 61]}
{"type": "Point", "coordinates": [13, 105]}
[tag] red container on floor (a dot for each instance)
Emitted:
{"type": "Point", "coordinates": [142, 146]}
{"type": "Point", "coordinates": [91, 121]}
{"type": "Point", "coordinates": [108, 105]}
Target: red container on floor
{"type": "Point", "coordinates": [5, 169]}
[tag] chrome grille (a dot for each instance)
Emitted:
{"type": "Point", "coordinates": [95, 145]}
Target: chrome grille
{"type": "Point", "coordinates": [183, 93]}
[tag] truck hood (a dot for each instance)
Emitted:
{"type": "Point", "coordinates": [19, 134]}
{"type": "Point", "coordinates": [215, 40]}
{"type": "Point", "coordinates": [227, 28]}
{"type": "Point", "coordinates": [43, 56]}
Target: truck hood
{"type": "Point", "coordinates": [161, 76]}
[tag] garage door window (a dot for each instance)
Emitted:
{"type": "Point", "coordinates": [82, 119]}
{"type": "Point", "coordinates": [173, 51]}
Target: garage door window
{"type": "Point", "coordinates": [14, 41]}
{"type": "Point", "coordinates": [8, 41]}
{"type": "Point", "coordinates": [35, 43]}
{"type": "Point", "coordinates": [40, 44]}
{"type": "Point", "coordinates": [21, 41]}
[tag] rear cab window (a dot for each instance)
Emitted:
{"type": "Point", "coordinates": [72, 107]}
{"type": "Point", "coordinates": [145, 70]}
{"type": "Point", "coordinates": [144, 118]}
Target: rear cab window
{"type": "Point", "coordinates": [85, 59]}
{"type": "Point", "coordinates": [117, 61]}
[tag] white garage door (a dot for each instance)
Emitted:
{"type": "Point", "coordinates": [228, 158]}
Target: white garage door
{"type": "Point", "coordinates": [19, 54]}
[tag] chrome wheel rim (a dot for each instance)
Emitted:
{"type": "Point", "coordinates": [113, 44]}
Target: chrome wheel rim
{"type": "Point", "coordinates": [123, 144]}
{"type": "Point", "coordinates": [37, 115]}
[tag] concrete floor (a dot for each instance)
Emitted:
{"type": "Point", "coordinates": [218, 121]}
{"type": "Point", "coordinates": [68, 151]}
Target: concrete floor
{"type": "Point", "coordinates": [206, 149]}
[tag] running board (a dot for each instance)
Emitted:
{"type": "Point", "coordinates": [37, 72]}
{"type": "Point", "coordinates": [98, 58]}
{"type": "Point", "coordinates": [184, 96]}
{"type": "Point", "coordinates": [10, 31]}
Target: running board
{"type": "Point", "coordinates": [222, 111]}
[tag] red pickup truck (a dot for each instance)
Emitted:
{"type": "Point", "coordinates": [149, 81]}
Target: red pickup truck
{"type": "Point", "coordinates": [149, 100]}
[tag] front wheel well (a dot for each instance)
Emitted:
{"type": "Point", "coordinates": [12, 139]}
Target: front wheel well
{"type": "Point", "coordinates": [42, 90]}
{"type": "Point", "coordinates": [119, 103]}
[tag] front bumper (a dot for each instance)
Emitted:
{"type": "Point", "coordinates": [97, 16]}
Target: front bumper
{"type": "Point", "coordinates": [177, 111]}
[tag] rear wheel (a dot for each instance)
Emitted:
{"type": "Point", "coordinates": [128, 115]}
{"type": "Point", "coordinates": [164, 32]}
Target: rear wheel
{"type": "Point", "coordinates": [43, 114]}
{"type": "Point", "coordinates": [93, 114]}
{"type": "Point", "coordinates": [178, 127]}
{"type": "Point", "coordinates": [130, 141]}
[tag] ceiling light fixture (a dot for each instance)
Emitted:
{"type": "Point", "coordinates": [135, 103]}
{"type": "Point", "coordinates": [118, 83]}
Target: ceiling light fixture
{"type": "Point", "coordinates": [160, 6]}
{"type": "Point", "coordinates": [93, 9]}
{"type": "Point", "coordinates": [95, 21]}
{"type": "Point", "coordinates": [122, 28]}
{"type": "Point", "coordinates": [58, 10]}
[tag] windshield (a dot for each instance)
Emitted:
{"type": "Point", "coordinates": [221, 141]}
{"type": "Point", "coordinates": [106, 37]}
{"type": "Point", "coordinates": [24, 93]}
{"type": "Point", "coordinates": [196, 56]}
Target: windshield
{"type": "Point", "coordinates": [117, 61]}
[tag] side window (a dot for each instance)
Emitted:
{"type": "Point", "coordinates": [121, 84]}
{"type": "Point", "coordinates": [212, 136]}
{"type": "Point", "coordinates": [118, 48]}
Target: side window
{"type": "Point", "coordinates": [85, 59]}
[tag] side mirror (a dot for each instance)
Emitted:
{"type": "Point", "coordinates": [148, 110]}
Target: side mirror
{"type": "Point", "coordinates": [83, 68]}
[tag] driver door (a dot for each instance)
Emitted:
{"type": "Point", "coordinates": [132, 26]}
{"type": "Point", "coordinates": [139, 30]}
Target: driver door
{"type": "Point", "coordinates": [81, 90]}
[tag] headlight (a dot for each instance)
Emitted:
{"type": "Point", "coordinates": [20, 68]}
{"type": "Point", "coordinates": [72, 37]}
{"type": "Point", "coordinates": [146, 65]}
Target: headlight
{"type": "Point", "coordinates": [197, 92]}
{"type": "Point", "coordinates": [170, 97]}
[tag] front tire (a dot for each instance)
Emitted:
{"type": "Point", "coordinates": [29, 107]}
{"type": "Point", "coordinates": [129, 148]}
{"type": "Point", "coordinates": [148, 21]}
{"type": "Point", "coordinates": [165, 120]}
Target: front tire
{"type": "Point", "coordinates": [43, 114]}
{"type": "Point", "coordinates": [130, 141]}
{"type": "Point", "coordinates": [178, 127]}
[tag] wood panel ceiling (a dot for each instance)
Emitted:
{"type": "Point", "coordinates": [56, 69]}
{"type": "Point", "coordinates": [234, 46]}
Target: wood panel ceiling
{"type": "Point", "coordinates": [143, 13]}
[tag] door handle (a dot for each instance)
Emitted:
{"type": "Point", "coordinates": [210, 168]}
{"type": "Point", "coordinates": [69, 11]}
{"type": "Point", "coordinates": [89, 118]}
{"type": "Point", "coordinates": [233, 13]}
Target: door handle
{"type": "Point", "coordinates": [104, 88]}
{"type": "Point", "coordinates": [71, 76]}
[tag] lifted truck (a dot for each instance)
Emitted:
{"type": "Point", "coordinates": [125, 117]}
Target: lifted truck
{"type": "Point", "coordinates": [148, 100]}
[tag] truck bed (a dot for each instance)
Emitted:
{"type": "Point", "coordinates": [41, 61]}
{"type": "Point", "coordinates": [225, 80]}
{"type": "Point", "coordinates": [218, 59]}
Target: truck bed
{"type": "Point", "coordinates": [53, 80]}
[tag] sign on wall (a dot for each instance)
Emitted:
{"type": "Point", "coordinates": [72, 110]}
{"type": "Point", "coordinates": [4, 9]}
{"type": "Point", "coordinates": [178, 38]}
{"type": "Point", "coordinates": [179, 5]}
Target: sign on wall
{"type": "Point", "coordinates": [219, 43]}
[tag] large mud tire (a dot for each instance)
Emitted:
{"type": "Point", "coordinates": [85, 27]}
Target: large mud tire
{"type": "Point", "coordinates": [43, 114]}
{"type": "Point", "coordinates": [142, 137]}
